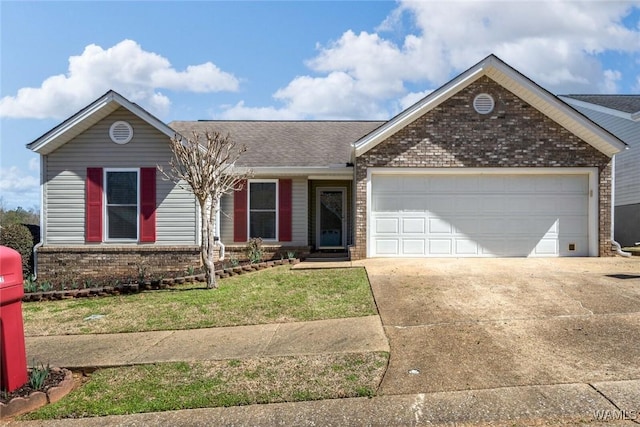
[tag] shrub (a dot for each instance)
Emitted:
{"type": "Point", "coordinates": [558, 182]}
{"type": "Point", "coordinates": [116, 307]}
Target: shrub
{"type": "Point", "coordinates": [18, 237]}
{"type": "Point", "coordinates": [254, 250]}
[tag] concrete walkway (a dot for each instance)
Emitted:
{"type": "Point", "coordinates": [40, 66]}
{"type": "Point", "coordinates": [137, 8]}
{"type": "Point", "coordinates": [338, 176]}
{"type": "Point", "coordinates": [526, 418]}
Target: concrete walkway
{"type": "Point", "coordinates": [351, 335]}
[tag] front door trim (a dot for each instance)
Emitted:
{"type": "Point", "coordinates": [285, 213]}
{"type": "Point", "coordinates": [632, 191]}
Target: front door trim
{"type": "Point", "coordinates": [319, 191]}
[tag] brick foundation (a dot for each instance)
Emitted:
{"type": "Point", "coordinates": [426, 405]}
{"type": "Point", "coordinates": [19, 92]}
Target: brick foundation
{"type": "Point", "coordinates": [453, 135]}
{"type": "Point", "coordinates": [65, 265]}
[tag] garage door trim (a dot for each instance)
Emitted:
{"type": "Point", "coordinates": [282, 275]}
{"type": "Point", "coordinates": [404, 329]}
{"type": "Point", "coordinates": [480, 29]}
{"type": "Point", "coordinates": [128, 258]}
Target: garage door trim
{"type": "Point", "coordinates": [591, 173]}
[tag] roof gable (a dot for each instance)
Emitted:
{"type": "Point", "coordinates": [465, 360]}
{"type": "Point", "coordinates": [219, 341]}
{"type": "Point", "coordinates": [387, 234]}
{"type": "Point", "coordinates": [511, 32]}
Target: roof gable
{"type": "Point", "coordinates": [519, 85]}
{"type": "Point", "coordinates": [89, 116]}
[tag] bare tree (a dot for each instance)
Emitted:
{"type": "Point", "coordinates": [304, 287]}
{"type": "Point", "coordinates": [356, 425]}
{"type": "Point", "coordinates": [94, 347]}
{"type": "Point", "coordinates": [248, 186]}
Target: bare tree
{"type": "Point", "coordinates": [205, 166]}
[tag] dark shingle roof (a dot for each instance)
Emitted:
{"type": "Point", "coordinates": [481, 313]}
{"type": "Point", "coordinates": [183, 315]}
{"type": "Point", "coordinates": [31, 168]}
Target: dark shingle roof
{"type": "Point", "coordinates": [287, 143]}
{"type": "Point", "coordinates": [625, 103]}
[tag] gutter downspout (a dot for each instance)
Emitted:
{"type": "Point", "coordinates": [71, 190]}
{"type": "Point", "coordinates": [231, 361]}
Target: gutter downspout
{"type": "Point", "coordinates": [615, 244]}
{"type": "Point", "coordinates": [41, 242]}
{"type": "Point", "coordinates": [217, 238]}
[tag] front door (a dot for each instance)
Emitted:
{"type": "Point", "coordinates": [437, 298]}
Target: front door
{"type": "Point", "coordinates": [331, 218]}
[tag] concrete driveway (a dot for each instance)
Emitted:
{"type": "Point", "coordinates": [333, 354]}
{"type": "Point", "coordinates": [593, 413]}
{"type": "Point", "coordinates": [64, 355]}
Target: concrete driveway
{"type": "Point", "coordinates": [469, 324]}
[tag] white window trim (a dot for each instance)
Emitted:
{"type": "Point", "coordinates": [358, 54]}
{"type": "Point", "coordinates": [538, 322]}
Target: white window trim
{"type": "Point", "coordinates": [105, 216]}
{"type": "Point", "coordinates": [260, 181]}
{"type": "Point", "coordinates": [590, 172]}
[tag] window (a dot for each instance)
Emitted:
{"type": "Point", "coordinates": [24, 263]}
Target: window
{"type": "Point", "coordinates": [121, 204]}
{"type": "Point", "coordinates": [263, 202]}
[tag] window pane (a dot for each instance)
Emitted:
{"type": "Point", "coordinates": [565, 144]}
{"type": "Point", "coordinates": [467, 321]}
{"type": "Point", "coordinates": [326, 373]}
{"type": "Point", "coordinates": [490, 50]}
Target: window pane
{"type": "Point", "coordinates": [122, 222]}
{"type": "Point", "coordinates": [262, 195]}
{"type": "Point", "coordinates": [262, 224]}
{"type": "Point", "coordinates": [122, 188]}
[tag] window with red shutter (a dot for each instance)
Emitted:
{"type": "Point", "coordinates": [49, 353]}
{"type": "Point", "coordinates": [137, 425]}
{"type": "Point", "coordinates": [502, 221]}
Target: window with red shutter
{"type": "Point", "coordinates": [121, 204]}
{"type": "Point", "coordinates": [285, 210]}
{"type": "Point", "coordinates": [240, 212]}
{"type": "Point", "coordinates": [148, 204]}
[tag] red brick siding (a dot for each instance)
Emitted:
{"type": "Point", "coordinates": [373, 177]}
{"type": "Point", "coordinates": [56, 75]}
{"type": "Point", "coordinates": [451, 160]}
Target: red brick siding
{"type": "Point", "coordinates": [453, 135]}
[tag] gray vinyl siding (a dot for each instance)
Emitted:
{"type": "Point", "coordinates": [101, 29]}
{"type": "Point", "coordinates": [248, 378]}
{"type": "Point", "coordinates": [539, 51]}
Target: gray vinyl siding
{"type": "Point", "coordinates": [627, 177]}
{"type": "Point", "coordinates": [299, 217]}
{"type": "Point", "coordinates": [65, 175]}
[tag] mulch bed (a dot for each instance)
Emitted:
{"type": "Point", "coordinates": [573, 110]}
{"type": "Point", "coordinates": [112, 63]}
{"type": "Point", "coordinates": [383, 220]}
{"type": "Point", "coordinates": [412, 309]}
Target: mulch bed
{"type": "Point", "coordinates": [54, 379]}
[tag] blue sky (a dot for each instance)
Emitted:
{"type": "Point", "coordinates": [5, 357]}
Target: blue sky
{"type": "Point", "coordinates": [285, 60]}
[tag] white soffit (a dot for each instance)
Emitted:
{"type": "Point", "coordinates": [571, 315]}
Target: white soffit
{"type": "Point", "coordinates": [520, 86]}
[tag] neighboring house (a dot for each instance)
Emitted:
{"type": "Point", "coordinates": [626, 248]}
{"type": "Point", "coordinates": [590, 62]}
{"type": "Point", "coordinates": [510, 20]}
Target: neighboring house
{"type": "Point", "coordinates": [620, 115]}
{"type": "Point", "coordinates": [490, 164]}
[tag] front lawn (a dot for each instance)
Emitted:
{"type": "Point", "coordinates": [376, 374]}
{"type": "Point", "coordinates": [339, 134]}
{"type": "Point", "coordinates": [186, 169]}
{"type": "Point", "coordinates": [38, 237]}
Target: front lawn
{"type": "Point", "coordinates": [182, 385]}
{"type": "Point", "coordinates": [268, 296]}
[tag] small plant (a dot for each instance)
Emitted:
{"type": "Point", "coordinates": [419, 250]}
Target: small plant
{"type": "Point", "coordinates": [38, 375]}
{"type": "Point", "coordinates": [191, 270]}
{"type": "Point", "coordinates": [45, 287]}
{"type": "Point", "coordinates": [142, 272]}
{"type": "Point", "coordinates": [74, 285]}
{"type": "Point", "coordinates": [291, 254]}
{"type": "Point", "coordinates": [30, 284]}
{"type": "Point", "coordinates": [233, 261]}
{"type": "Point", "coordinates": [88, 284]}
{"type": "Point", "coordinates": [254, 250]}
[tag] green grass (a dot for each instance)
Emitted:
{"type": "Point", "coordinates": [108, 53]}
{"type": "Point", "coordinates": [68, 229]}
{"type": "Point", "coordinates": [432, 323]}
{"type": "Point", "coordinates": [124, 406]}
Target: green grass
{"type": "Point", "coordinates": [268, 296]}
{"type": "Point", "coordinates": [171, 386]}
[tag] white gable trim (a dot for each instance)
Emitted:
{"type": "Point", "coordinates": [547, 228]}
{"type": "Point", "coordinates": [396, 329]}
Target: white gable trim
{"type": "Point", "coordinates": [89, 116]}
{"type": "Point", "coordinates": [519, 85]}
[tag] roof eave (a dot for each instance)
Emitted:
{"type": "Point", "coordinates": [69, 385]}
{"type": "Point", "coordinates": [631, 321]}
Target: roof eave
{"type": "Point", "coordinates": [345, 172]}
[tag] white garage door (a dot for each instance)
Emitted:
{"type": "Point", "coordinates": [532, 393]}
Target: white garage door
{"type": "Point", "coordinates": [479, 215]}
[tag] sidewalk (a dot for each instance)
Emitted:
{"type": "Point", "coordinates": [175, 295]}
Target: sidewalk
{"type": "Point", "coordinates": [543, 405]}
{"type": "Point", "coordinates": [357, 334]}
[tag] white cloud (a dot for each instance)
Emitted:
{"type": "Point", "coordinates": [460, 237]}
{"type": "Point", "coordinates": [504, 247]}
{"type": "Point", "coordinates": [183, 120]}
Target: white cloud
{"type": "Point", "coordinates": [411, 98]}
{"type": "Point", "coordinates": [127, 68]}
{"type": "Point", "coordinates": [555, 43]}
{"type": "Point", "coordinates": [610, 83]}
{"type": "Point", "coordinates": [34, 164]}
{"type": "Point", "coordinates": [240, 112]}
{"type": "Point", "coordinates": [18, 188]}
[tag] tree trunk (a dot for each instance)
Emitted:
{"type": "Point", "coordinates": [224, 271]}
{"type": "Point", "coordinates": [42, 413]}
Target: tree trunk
{"type": "Point", "coordinates": [208, 245]}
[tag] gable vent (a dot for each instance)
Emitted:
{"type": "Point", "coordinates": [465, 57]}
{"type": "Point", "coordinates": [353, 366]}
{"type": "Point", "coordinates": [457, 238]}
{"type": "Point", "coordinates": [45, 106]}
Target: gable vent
{"type": "Point", "coordinates": [121, 132]}
{"type": "Point", "coordinates": [483, 103]}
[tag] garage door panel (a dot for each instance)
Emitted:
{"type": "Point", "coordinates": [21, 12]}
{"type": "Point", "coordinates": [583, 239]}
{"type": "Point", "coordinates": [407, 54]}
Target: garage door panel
{"type": "Point", "coordinates": [439, 226]}
{"type": "Point", "coordinates": [547, 246]}
{"type": "Point", "coordinates": [484, 215]}
{"type": "Point", "coordinates": [413, 246]}
{"type": "Point", "coordinates": [413, 225]}
{"type": "Point", "coordinates": [466, 247]}
{"type": "Point", "coordinates": [441, 247]}
{"type": "Point", "coordinates": [386, 225]}
{"type": "Point", "coordinates": [572, 225]}
{"type": "Point", "coordinates": [387, 246]}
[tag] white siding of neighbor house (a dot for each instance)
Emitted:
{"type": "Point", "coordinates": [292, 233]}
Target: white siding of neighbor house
{"type": "Point", "coordinates": [65, 173]}
{"type": "Point", "coordinates": [627, 184]}
{"type": "Point", "coordinates": [299, 217]}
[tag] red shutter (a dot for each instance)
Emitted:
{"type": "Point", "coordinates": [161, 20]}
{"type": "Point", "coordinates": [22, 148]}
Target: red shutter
{"type": "Point", "coordinates": [284, 210]}
{"type": "Point", "coordinates": [240, 212]}
{"type": "Point", "coordinates": [93, 205]}
{"type": "Point", "coordinates": [148, 204]}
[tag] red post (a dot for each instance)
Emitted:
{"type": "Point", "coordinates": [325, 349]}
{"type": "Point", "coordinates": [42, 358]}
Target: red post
{"type": "Point", "coordinates": [13, 356]}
